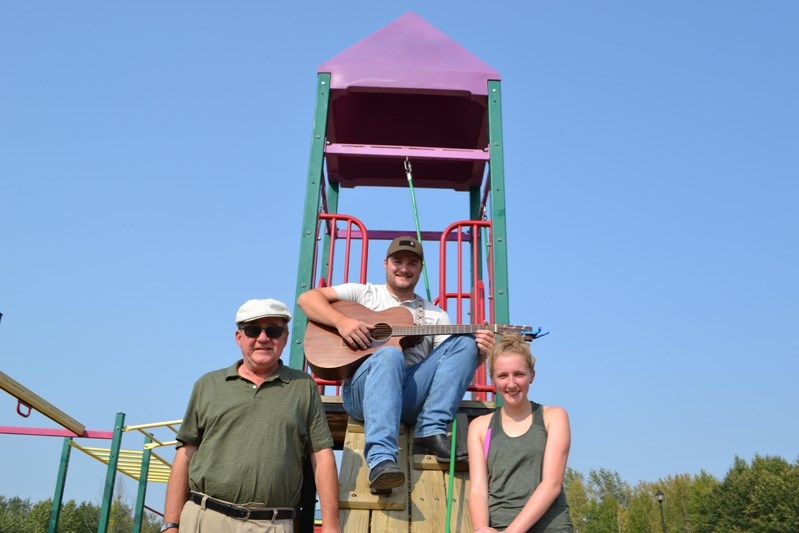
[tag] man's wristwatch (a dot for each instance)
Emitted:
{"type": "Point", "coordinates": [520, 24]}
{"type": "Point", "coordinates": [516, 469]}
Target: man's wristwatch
{"type": "Point", "coordinates": [169, 525]}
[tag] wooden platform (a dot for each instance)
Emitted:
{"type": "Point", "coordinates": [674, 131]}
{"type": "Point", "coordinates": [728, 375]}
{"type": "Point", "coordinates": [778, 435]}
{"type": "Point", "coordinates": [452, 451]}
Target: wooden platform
{"type": "Point", "coordinates": [337, 417]}
{"type": "Point", "coordinates": [420, 506]}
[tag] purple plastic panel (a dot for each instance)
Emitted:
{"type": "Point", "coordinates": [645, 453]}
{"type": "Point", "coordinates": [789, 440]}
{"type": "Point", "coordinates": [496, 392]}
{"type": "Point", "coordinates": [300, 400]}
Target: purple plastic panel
{"type": "Point", "coordinates": [407, 90]}
{"type": "Point", "coordinates": [409, 53]}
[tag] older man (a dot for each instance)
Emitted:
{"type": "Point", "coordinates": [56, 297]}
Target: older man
{"type": "Point", "coordinates": [238, 466]}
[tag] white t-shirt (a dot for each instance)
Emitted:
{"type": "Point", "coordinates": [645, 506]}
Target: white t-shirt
{"type": "Point", "coordinates": [378, 298]}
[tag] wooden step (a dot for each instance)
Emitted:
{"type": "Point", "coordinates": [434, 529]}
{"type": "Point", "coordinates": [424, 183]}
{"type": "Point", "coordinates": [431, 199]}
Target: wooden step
{"type": "Point", "coordinates": [353, 478]}
{"type": "Point", "coordinates": [419, 506]}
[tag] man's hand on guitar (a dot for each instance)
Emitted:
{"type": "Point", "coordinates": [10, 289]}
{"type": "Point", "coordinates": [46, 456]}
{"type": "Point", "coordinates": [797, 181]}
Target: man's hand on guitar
{"type": "Point", "coordinates": [485, 342]}
{"type": "Point", "coordinates": [355, 333]}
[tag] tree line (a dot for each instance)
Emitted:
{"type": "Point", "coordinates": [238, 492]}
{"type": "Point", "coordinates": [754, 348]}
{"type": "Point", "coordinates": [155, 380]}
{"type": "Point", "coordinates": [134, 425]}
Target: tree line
{"type": "Point", "coordinates": [22, 516]}
{"type": "Point", "coordinates": [761, 496]}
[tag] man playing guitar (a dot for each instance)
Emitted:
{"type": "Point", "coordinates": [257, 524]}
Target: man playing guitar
{"type": "Point", "coordinates": [422, 384]}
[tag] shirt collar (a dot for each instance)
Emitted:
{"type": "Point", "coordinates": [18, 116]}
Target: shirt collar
{"type": "Point", "coordinates": [282, 374]}
{"type": "Point", "coordinates": [397, 298]}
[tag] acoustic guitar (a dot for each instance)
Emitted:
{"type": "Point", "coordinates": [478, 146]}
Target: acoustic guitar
{"type": "Point", "coordinates": [331, 358]}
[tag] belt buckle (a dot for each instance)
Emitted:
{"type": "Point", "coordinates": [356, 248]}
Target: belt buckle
{"type": "Point", "coordinates": [246, 512]}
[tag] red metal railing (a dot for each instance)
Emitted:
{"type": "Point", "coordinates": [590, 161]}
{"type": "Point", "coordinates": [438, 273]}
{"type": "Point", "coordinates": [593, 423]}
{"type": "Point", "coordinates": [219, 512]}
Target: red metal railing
{"type": "Point", "coordinates": [462, 233]}
{"type": "Point", "coordinates": [468, 232]}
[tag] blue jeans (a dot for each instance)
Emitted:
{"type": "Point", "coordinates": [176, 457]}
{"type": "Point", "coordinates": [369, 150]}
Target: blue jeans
{"type": "Point", "coordinates": [431, 391]}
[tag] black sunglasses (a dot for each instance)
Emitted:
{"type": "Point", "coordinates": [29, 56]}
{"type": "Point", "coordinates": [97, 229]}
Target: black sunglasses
{"type": "Point", "coordinates": [253, 332]}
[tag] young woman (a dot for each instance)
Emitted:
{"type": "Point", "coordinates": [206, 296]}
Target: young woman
{"type": "Point", "coordinates": [517, 455]}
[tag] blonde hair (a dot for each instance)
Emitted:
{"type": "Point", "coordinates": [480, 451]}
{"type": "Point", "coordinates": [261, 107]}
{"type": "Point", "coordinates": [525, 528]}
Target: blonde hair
{"type": "Point", "coordinates": [511, 343]}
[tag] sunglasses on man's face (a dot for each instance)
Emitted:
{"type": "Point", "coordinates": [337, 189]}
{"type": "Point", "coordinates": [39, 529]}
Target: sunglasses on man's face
{"type": "Point", "coordinates": [253, 332]}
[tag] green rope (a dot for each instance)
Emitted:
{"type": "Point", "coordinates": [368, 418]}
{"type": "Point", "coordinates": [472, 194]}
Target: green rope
{"type": "Point", "coordinates": [451, 483]}
{"type": "Point", "coordinates": [409, 175]}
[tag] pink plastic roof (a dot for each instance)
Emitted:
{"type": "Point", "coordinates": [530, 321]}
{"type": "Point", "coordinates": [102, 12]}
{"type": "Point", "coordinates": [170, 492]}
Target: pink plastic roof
{"type": "Point", "coordinates": [409, 53]}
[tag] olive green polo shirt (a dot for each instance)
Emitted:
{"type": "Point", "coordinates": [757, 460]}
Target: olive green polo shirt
{"type": "Point", "coordinates": [251, 440]}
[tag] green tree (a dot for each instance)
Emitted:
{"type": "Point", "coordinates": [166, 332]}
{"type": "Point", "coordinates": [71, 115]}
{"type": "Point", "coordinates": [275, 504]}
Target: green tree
{"type": "Point", "coordinates": [599, 505]}
{"type": "Point", "coordinates": [13, 512]}
{"type": "Point", "coordinates": [38, 518]}
{"type": "Point", "coordinates": [577, 497]}
{"type": "Point", "coordinates": [72, 518]}
{"type": "Point", "coordinates": [702, 487]}
{"type": "Point", "coordinates": [759, 497]}
{"type": "Point", "coordinates": [642, 513]}
{"type": "Point", "coordinates": [19, 516]}
{"type": "Point", "coordinates": [121, 515]}
{"type": "Point", "coordinates": [681, 494]}
{"type": "Point", "coordinates": [610, 494]}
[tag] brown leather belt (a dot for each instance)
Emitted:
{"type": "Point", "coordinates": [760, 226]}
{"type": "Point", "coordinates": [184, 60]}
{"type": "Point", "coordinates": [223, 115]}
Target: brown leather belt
{"type": "Point", "coordinates": [240, 512]}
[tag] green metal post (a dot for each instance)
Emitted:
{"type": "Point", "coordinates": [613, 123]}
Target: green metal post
{"type": "Point", "coordinates": [313, 191]}
{"type": "Point", "coordinates": [332, 207]}
{"type": "Point", "coordinates": [451, 483]}
{"type": "Point", "coordinates": [498, 215]}
{"type": "Point", "coordinates": [474, 214]}
{"type": "Point", "coordinates": [58, 496]}
{"type": "Point", "coordinates": [110, 477]}
{"type": "Point", "coordinates": [474, 203]}
{"type": "Point", "coordinates": [142, 492]}
{"type": "Point", "coordinates": [332, 197]}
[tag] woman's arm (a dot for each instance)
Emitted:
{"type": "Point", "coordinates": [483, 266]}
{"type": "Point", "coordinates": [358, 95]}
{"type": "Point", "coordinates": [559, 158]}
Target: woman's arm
{"type": "Point", "coordinates": [556, 453]}
{"type": "Point", "coordinates": [478, 473]}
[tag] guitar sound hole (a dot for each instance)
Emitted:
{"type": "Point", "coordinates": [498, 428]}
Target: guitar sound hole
{"type": "Point", "coordinates": [381, 332]}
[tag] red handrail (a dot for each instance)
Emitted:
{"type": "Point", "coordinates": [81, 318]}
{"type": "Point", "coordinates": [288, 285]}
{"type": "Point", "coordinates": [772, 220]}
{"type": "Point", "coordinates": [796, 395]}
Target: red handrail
{"type": "Point", "coordinates": [468, 231]}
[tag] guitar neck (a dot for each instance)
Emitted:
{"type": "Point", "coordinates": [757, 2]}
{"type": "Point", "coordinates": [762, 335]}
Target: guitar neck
{"type": "Point", "coordinates": [451, 329]}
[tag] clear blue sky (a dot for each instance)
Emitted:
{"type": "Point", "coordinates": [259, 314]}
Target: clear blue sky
{"type": "Point", "coordinates": [152, 171]}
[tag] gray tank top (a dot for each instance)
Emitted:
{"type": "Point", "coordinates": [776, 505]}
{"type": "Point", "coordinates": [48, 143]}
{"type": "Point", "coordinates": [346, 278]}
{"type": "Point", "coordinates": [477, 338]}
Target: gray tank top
{"type": "Point", "coordinates": [514, 471]}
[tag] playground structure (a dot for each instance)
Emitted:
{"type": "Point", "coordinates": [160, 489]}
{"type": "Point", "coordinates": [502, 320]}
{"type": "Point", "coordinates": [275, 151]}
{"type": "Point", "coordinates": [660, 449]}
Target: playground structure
{"type": "Point", "coordinates": [404, 109]}
{"type": "Point", "coordinates": [407, 109]}
{"type": "Point", "coordinates": [143, 465]}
